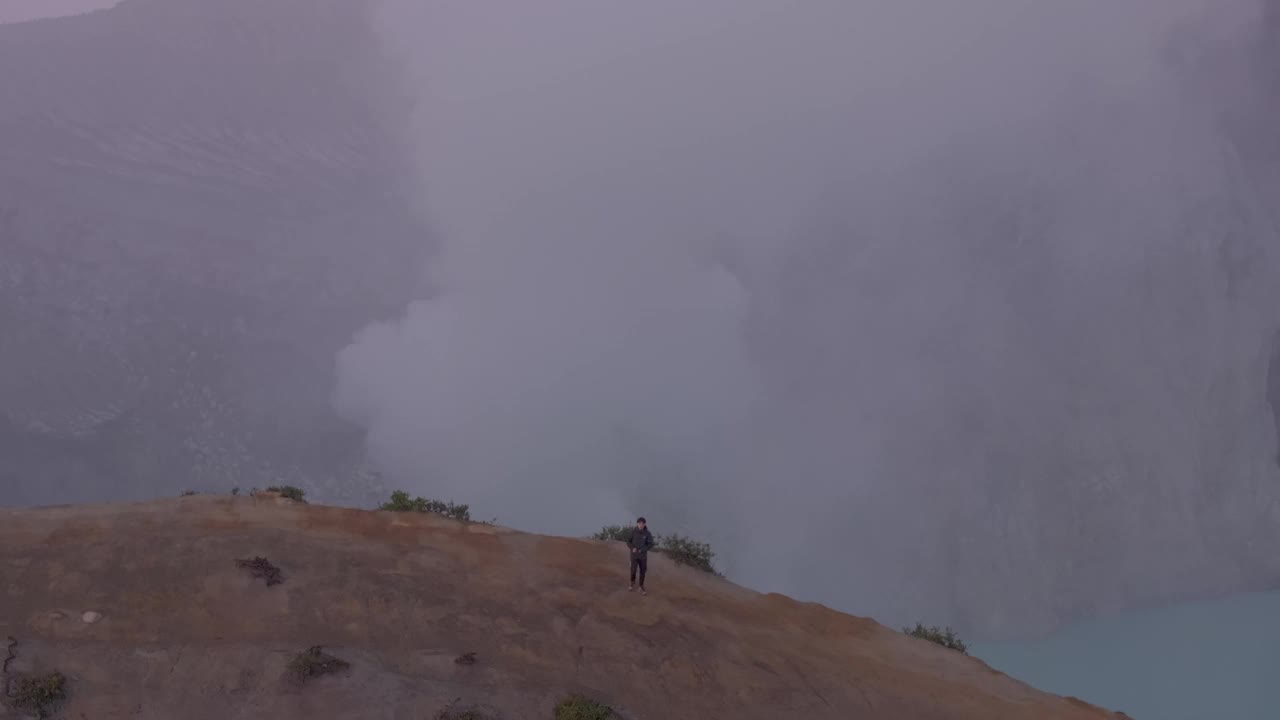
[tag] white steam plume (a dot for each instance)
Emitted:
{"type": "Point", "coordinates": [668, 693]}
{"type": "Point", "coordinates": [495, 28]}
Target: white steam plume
{"type": "Point", "coordinates": [937, 310]}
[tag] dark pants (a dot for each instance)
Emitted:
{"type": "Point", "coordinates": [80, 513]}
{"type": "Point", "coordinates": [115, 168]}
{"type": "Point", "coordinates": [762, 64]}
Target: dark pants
{"type": "Point", "coordinates": [641, 563]}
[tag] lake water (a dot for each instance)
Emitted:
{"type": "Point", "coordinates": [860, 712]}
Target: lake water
{"type": "Point", "coordinates": [1216, 660]}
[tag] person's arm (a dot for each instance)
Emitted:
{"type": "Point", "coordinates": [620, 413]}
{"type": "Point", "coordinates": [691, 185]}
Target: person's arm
{"type": "Point", "coordinates": [648, 541]}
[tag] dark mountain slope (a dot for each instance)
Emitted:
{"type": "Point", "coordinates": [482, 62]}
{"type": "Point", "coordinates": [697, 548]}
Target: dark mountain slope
{"type": "Point", "coordinates": [199, 203]}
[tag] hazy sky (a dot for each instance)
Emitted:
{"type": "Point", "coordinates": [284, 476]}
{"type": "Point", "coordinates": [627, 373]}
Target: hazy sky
{"type": "Point", "coordinates": [957, 309]}
{"type": "Point", "coordinates": [19, 10]}
{"type": "Point", "coordinates": [941, 311]}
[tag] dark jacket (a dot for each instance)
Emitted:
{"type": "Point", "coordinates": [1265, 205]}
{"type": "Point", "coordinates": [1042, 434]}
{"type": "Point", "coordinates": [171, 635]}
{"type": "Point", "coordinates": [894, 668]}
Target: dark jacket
{"type": "Point", "coordinates": [640, 541]}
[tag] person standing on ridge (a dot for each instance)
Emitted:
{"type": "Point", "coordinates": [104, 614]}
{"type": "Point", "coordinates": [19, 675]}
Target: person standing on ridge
{"type": "Point", "coordinates": [640, 541]}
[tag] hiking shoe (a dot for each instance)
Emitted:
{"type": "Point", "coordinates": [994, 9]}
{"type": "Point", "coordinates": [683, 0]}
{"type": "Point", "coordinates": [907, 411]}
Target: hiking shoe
{"type": "Point", "coordinates": [643, 591]}
{"type": "Point", "coordinates": [631, 588]}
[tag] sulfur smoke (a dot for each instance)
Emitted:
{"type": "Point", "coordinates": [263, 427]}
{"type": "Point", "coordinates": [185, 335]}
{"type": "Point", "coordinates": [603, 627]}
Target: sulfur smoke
{"type": "Point", "coordinates": [948, 311]}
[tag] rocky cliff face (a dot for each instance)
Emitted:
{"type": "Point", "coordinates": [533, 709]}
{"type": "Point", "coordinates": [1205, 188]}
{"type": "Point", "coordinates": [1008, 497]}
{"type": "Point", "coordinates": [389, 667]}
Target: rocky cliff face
{"type": "Point", "coordinates": [145, 612]}
{"type": "Point", "coordinates": [199, 204]}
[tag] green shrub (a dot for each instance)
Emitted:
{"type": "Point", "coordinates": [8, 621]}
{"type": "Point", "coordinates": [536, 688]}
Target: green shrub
{"type": "Point", "coordinates": [577, 707]}
{"type": "Point", "coordinates": [314, 662]}
{"type": "Point", "coordinates": [189, 493]}
{"type": "Point", "coordinates": [401, 502]}
{"type": "Point", "coordinates": [261, 567]}
{"type": "Point", "coordinates": [946, 637]}
{"type": "Point", "coordinates": [40, 694]}
{"type": "Point", "coordinates": [288, 491]}
{"type": "Point", "coordinates": [613, 532]}
{"type": "Point", "coordinates": [687, 551]}
{"type": "Point", "coordinates": [469, 713]}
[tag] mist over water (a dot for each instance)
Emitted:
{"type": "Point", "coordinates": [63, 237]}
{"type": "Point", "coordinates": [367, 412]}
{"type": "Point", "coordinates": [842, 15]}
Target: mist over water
{"type": "Point", "coordinates": [959, 312]}
{"type": "Point", "coordinates": [1200, 660]}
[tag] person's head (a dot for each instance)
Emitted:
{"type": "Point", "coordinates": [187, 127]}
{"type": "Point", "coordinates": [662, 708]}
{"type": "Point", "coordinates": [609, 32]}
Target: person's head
{"type": "Point", "coordinates": [640, 523]}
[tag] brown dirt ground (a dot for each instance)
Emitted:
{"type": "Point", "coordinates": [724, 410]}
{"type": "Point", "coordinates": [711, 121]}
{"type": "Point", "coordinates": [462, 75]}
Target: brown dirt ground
{"type": "Point", "coordinates": [187, 634]}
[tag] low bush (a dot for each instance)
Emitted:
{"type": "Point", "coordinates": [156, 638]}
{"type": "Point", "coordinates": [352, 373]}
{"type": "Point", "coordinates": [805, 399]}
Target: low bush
{"type": "Point", "coordinates": [288, 491]}
{"type": "Point", "coordinates": [401, 502]}
{"type": "Point", "coordinates": [40, 694]}
{"type": "Point", "coordinates": [466, 713]}
{"type": "Point", "coordinates": [946, 637]}
{"type": "Point", "coordinates": [687, 551]}
{"type": "Point", "coordinates": [314, 662]}
{"type": "Point", "coordinates": [261, 567]}
{"type": "Point", "coordinates": [577, 707]}
{"type": "Point", "coordinates": [613, 532]}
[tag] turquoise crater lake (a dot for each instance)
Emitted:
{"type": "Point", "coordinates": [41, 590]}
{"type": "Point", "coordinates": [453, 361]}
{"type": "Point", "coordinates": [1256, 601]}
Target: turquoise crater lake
{"type": "Point", "coordinates": [1217, 660]}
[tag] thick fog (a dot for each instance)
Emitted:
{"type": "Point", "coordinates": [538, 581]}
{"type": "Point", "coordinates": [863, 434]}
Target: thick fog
{"type": "Point", "coordinates": [951, 311]}
{"type": "Point", "coordinates": [925, 296]}
{"type": "Point", "coordinates": [958, 312]}
{"type": "Point", "coordinates": [191, 194]}
{"type": "Point", "coordinates": [23, 10]}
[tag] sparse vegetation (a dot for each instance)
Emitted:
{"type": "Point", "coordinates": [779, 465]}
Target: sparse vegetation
{"type": "Point", "coordinates": [189, 493]}
{"type": "Point", "coordinates": [946, 637]}
{"type": "Point", "coordinates": [314, 662]}
{"type": "Point", "coordinates": [687, 551]}
{"type": "Point", "coordinates": [613, 532]}
{"type": "Point", "coordinates": [289, 491]}
{"type": "Point", "coordinates": [467, 658]}
{"type": "Point", "coordinates": [40, 694]}
{"type": "Point", "coordinates": [577, 707]}
{"type": "Point", "coordinates": [682, 549]}
{"type": "Point", "coordinates": [261, 567]}
{"type": "Point", "coordinates": [235, 491]}
{"type": "Point", "coordinates": [401, 502]}
{"type": "Point", "coordinates": [469, 713]}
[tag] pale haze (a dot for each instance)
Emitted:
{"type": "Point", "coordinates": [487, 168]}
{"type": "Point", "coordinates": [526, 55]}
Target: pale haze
{"type": "Point", "coordinates": [22, 10]}
{"type": "Point", "coordinates": [955, 312]}
{"type": "Point", "coordinates": [947, 310]}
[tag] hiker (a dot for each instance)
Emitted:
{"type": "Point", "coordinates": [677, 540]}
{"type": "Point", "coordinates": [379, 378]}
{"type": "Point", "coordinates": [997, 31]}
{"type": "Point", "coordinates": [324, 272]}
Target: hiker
{"type": "Point", "coordinates": [640, 541]}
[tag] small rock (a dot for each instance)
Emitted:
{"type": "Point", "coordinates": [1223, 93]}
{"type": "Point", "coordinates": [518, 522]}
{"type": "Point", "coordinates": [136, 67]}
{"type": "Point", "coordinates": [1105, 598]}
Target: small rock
{"type": "Point", "coordinates": [57, 615]}
{"type": "Point", "coordinates": [91, 617]}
